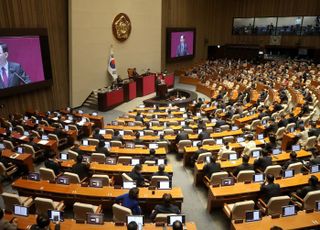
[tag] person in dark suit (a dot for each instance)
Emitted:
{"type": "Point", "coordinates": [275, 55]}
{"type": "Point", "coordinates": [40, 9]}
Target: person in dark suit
{"type": "Point", "coordinates": [51, 163]}
{"type": "Point", "coordinates": [161, 171]}
{"type": "Point", "coordinates": [293, 159]}
{"type": "Point", "coordinates": [244, 166]}
{"type": "Point", "coordinates": [181, 136]}
{"type": "Point", "coordinates": [263, 162]}
{"type": "Point", "coordinates": [130, 200]}
{"type": "Point", "coordinates": [195, 155]}
{"type": "Point", "coordinates": [116, 136]}
{"type": "Point", "coordinates": [166, 207]}
{"type": "Point", "coordinates": [314, 131]}
{"type": "Point", "coordinates": [272, 144]}
{"type": "Point", "coordinates": [316, 158]}
{"type": "Point", "coordinates": [43, 223]}
{"type": "Point", "coordinates": [313, 185]}
{"type": "Point", "coordinates": [12, 74]}
{"type": "Point", "coordinates": [96, 134]}
{"type": "Point", "coordinates": [291, 118]}
{"type": "Point", "coordinates": [138, 117]}
{"type": "Point", "coordinates": [136, 175]}
{"type": "Point", "coordinates": [138, 141]}
{"type": "Point", "coordinates": [282, 122]}
{"type": "Point", "coordinates": [204, 135]}
{"type": "Point", "coordinates": [187, 125]}
{"type": "Point", "coordinates": [269, 189]}
{"type": "Point", "coordinates": [212, 167]}
{"type": "Point", "coordinates": [101, 149]}
{"type": "Point", "coordinates": [76, 148]}
{"type": "Point", "coordinates": [272, 127]}
{"type": "Point", "coordinates": [82, 169]}
{"type": "Point", "coordinates": [182, 48]}
{"type": "Point", "coordinates": [6, 225]}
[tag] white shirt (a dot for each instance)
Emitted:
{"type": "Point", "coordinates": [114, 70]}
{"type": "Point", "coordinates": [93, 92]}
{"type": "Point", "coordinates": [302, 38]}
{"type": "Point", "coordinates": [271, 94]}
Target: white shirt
{"type": "Point", "coordinates": [6, 66]}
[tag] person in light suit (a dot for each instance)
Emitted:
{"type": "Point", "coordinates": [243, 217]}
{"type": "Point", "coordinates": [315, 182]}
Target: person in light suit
{"type": "Point", "coordinates": [11, 73]}
{"type": "Point", "coordinates": [182, 48]}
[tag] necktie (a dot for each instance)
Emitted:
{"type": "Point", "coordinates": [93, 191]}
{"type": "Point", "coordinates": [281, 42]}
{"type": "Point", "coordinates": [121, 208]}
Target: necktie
{"type": "Point", "coordinates": [4, 77]}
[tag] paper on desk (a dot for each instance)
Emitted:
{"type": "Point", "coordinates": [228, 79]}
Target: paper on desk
{"type": "Point", "coordinates": [67, 121]}
{"type": "Point", "coordinates": [22, 137]}
{"type": "Point", "coordinates": [13, 156]}
{"type": "Point", "coordinates": [55, 118]}
{"type": "Point", "coordinates": [43, 142]}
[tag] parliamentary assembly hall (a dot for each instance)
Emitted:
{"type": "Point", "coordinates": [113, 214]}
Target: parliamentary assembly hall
{"type": "Point", "coordinates": [159, 114]}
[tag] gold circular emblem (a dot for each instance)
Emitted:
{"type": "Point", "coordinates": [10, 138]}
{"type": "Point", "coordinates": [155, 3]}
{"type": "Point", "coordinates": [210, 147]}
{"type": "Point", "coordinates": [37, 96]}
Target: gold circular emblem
{"type": "Point", "coordinates": [121, 27]}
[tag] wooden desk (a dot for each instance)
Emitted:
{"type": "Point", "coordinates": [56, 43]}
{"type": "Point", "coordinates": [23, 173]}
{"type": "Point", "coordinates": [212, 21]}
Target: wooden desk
{"type": "Point", "coordinates": [217, 196]}
{"type": "Point", "coordinates": [104, 196]}
{"type": "Point", "coordinates": [24, 159]}
{"type": "Point", "coordinates": [125, 151]}
{"type": "Point", "coordinates": [287, 140]}
{"type": "Point", "coordinates": [244, 120]}
{"type": "Point", "coordinates": [97, 120]}
{"type": "Point", "coordinates": [302, 220]}
{"type": "Point", "coordinates": [227, 133]}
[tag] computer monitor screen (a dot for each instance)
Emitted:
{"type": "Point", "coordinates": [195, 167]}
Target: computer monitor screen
{"type": "Point", "coordinates": [208, 159]}
{"type": "Point", "coordinates": [317, 205]}
{"type": "Point", "coordinates": [264, 122]}
{"type": "Point", "coordinates": [172, 218]}
{"type": "Point", "coordinates": [95, 218]}
{"type": "Point", "coordinates": [20, 150]}
{"type": "Point", "coordinates": [130, 145]}
{"type": "Point", "coordinates": [161, 161]}
{"type": "Point", "coordinates": [260, 136]}
{"type": "Point", "coordinates": [256, 154]}
{"type": "Point", "coordinates": [26, 133]}
{"type": "Point", "coordinates": [85, 142]}
{"type": "Point", "coordinates": [254, 215]}
{"type": "Point", "coordinates": [296, 148]}
{"type": "Point", "coordinates": [153, 146]}
{"type": "Point", "coordinates": [121, 132]}
{"type": "Point", "coordinates": [315, 168]}
{"type": "Point", "coordinates": [240, 139]}
{"type": "Point", "coordinates": [64, 156]}
{"type": "Point", "coordinates": [129, 184]}
{"type": "Point", "coordinates": [20, 210]}
{"type": "Point", "coordinates": [111, 160]}
{"type": "Point", "coordinates": [233, 157]}
{"type": "Point", "coordinates": [183, 123]}
{"type": "Point", "coordinates": [34, 176]}
{"type": "Point", "coordinates": [86, 159]}
{"type": "Point", "coordinates": [114, 123]}
{"type": "Point", "coordinates": [199, 131]}
{"type": "Point", "coordinates": [164, 184]}
{"type": "Point", "coordinates": [291, 130]}
{"type": "Point", "coordinates": [107, 144]}
{"type": "Point", "coordinates": [136, 218]}
{"type": "Point", "coordinates": [102, 131]}
{"type": "Point", "coordinates": [96, 183]}
{"type": "Point", "coordinates": [130, 123]}
{"type": "Point", "coordinates": [233, 128]}
{"type": "Point", "coordinates": [160, 133]}
{"type": "Point", "coordinates": [219, 141]}
{"type": "Point", "coordinates": [63, 180]}
{"type": "Point", "coordinates": [44, 137]}
{"type": "Point", "coordinates": [135, 161]}
{"type": "Point", "coordinates": [276, 151]}
{"type": "Point", "coordinates": [141, 133]}
{"type": "Point", "coordinates": [55, 215]}
{"type": "Point", "coordinates": [66, 128]}
{"type": "Point", "coordinates": [195, 143]}
{"type": "Point", "coordinates": [288, 173]}
{"type": "Point", "coordinates": [2, 146]}
{"type": "Point", "coordinates": [288, 210]}
{"type": "Point", "coordinates": [258, 177]}
{"type": "Point", "coordinates": [227, 181]}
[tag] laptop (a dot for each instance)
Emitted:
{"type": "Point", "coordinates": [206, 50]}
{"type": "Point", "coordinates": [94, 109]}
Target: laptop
{"type": "Point", "coordinates": [64, 156]}
{"type": "Point", "coordinates": [288, 210]}
{"type": "Point", "coordinates": [63, 180]}
{"type": "Point", "coordinates": [102, 131]}
{"type": "Point", "coordinates": [95, 183]}
{"type": "Point", "coordinates": [34, 176]}
{"type": "Point", "coordinates": [233, 157]}
{"type": "Point", "coordinates": [296, 147]}
{"type": "Point", "coordinates": [121, 132]}
{"type": "Point", "coordinates": [257, 178]}
{"type": "Point", "coordinates": [276, 151]}
{"type": "Point", "coordinates": [111, 160]}
{"type": "Point", "coordinates": [252, 216]}
{"type": "Point", "coordinates": [172, 218]}
{"type": "Point", "coordinates": [44, 137]}
{"type": "Point", "coordinates": [219, 141]}
{"type": "Point", "coordinates": [55, 215]}
{"type": "Point", "coordinates": [25, 133]}
{"type": "Point", "coordinates": [260, 136]}
{"type": "Point", "coordinates": [288, 173]}
{"type": "Point", "coordinates": [233, 128]}
{"type": "Point", "coordinates": [130, 145]}
{"type": "Point", "coordinates": [161, 161]}
{"type": "Point", "coordinates": [19, 210]}
{"type": "Point", "coordinates": [95, 218]}
{"type": "Point", "coordinates": [107, 144]}
{"type": "Point", "coordinates": [139, 219]}
{"type": "Point", "coordinates": [153, 146]}
{"type": "Point", "coordinates": [195, 143]}
{"type": "Point", "coordinates": [20, 150]}
{"type": "Point", "coordinates": [114, 123]}
{"type": "Point", "coordinates": [317, 206]}
{"type": "Point", "coordinates": [135, 162]}
{"type": "Point", "coordinates": [228, 181]}
{"type": "Point", "coordinates": [240, 139]}
{"type": "Point", "coordinates": [256, 153]}
{"type": "Point", "coordinates": [66, 128]}
{"type": "Point", "coordinates": [129, 184]}
{"type": "Point", "coordinates": [315, 168]}
{"type": "Point", "coordinates": [164, 185]}
{"type": "Point", "coordinates": [141, 133]}
{"type": "Point", "coordinates": [85, 142]}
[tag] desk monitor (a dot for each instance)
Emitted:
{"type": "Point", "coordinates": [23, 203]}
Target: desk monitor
{"type": "Point", "coordinates": [96, 183]}
{"type": "Point", "coordinates": [26, 133]}
{"type": "Point", "coordinates": [183, 123]}
{"type": "Point", "coordinates": [315, 168]}
{"type": "Point", "coordinates": [198, 114]}
{"type": "Point", "coordinates": [130, 123]}
{"type": "Point", "coordinates": [66, 128]}
{"type": "Point", "coordinates": [34, 176]}
{"type": "Point", "coordinates": [2, 146]}
{"type": "Point", "coordinates": [114, 123]}
{"type": "Point", "coordinates": [208, 160]}
{"type": "Point", "coordinates": [130, 145]}
{"type": "Point", "coordinates": [296, 147]}
{"type": "Point", "coordinates": [264, 122]}
{"type": "Point", "coordinates": [234, 128]}
{"type": "Point", "coordinates": [213, 120]}
{"type": "Point", "coordinates": [288, 210]}
{"type": "Point", "coordinates": [111, 160]}
{"type": "Point", "coordinates": [102, 131]}
{"type": "Point", "coordinates": [164, 185]}
{"type": "Point", "coordinates": [141, 133]}
{"type": "Point", "coordinates": [217, 130]}
{"type": "Point", "coordinates": [258, 177]}
{"type": "Point", "coordinates": [129, 184]}
{"type": "Point", "coordinates": [63, 180]}
{"type": "Point", "coordinates": [254, 215]}
{"type": "Point", "coordinates": [37, 122]}
{"type": "Point", "coordinates": [107, 144]}
{"type": "Point", "coordinates": [160, 133]}
{"type": "Point", "coordinates": [240, 139]}
{"type": "Point", "coordinates": [20, 210]}
{"type": "Point", "coordinates": [44, 137]}
{"type": "Point", "coordinates": [20, 150]}
{"type": "Point", "coordinates": [185, 115]}
{"type": "Point", "coordinates": [25, 118]}
{"type": "Point", "coordinates": [95, 218]}
{"type": "Point", "coordinates": [256, 153]}
{"type": "Point", "coordinates": [153, 146]}
{"type": "Point", "coordinates": [136, 218]}
{"type": "Point", "coordinates": [94, 114]}
{"type": "Point", "coordinates": [121, 132]}
{"type": "Point", "coordinates": [276, 151]}
{"type": "Point", "coordinates": [291, 130]}
{"type": "Point", "coordinates": [64, 156]}
{"type": "Point", "coordinates": [199, 131]}
{"type": "Point", "coordinates": [195, 143]}
{"type": "Point", "coordinates": [86, 159]}
{"type": "Point", "coordinates": [219, 141]}
{"type": "Point", "coordinates": [317, 205]}
{"type": "Point", "coordinates": [228, 181]}
{"type": "Point", "coordinates": [135, 161]}
{"type": "Point", "coordinates": [288, 173]}
{"type": "Point", "coordinates": [161, 161]}
{"type": "Point", "coordinates": [10, 129]}
{"type": "Point", "coordinates": [55, 215]}
{"type": "Point", "coordinates": [70, 118]}
{"type": "Point", "coordinates": [172, 218]}
{"type": "Point", "coordinates": [260, 136]}
{"type": "Point", "coordinates": [85, 142]}
{"type": "Point", "coordinates": [233, 156]}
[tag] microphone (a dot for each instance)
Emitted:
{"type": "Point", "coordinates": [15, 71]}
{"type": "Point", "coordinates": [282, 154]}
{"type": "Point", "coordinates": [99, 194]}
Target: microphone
{"type": "Point", "coordinates": [24, 82]}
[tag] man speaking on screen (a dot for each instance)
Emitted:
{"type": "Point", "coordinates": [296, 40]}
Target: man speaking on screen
{"type": "Point", "coordinates": [11, 73]}
{"type": "Point", "coordinates": [182, 48]}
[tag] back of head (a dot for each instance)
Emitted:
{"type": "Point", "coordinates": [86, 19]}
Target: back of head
{"type": "Point", "coordinates": [137, 135]}
{"type": "Point", "coordinates": [293, 155]}
{"type": "Point", "coordinates": [116, 132]}
{"type": "Point", "coordinates": [199, 145]}
{"type": "Point", "coordinates": [152, 152]}
{"type": "Point", "coordinates": [133, 193]}
{"type": "Point", "coordinates": [96, 130]}
{"type": "Point", "coordinates": [161, 168]}
{"type": "Point", "coordinates": [245, 159]}
{"type": "Point", "coordinates": [79, 158]}
{"type": "Point", "coordinates": [166, 197]}
{"type": "Point", "coordinates": [177, 225]}
{"type": "Point", "coordinates": [42, 221]}
{"type": "Point", "coordinates": [101, 143]}
{"type": "Point", "coordinates": [265, 153]}
{"type": "Point", "coordinates": [270, 178]}
{"type": "Point", "coordinates": [132, 226]}
{"type": "Point", "coordinates": [213, 159]}
{"type": "Point", "coordinates": [313, 181]}
{"type": "Point", "coordinates": [137, 167]}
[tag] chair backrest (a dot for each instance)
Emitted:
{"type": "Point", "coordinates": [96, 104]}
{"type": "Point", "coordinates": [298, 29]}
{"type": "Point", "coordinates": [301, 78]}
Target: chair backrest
{"type": "Point", "coordinates": [224, 127]}
{"type": "Point", "coordinates": [309, 201]}
{"type": "Point", "coordinates": [289, 126]}
{"type": "Point", "coordinates": [188, 131]}
{"type": "Point", "coordinates": [245, 175]}
{"type": "Point", "coordinates": [255, 123]}
{"type": "Point", "coordinates": [80, 210]}
{"type": "Point", "coordinates": [148, 132]}
{"type": "Point", "coordinates": [35, 133]}
{"type": "Point", "coordinates": [239, 209]}
{"type": "Point", "coordinates": [105, 179]}
{"type": "Point", "coordinates": [124, 160]}
{"type": "Point", "coordinates": [174, 123]}
{"type": "Point", "coordinates": [208, 142]}
{"type": "Point", "coordinates": [93, 141]}
{"type": "Point", "coordinates": [162, 217]}
{"type": "Point", "coordinates": [163, 144]}
{"type": "Point", "coordinates": [74, 127]}
{"type": "Point", "coordinates": [73, 177]}
{"type": "Point", "coordinates": [275, 170]}
{"type": "Point", "coordinates": [279, 133]}
{"type": "Point", "coordinates": [217, 177]}
{"type": "Point", "coordinates": [98, 157]}
{"type": "Point", "coordinates": [168, 131]}
{"type": "Point", "coordinates": [43, 205]}
{"type": "Point", "coordinates": [47, 174]}
{"type": "Point", "coordinates": [311, 143]}
{"type": "Point", "coordinates": [115, 143]}
{"type": "Point", "coordinates": [128, 132]}
{"type": "Point", "coordinates": [296, 167]}
{"type": "Point", "coordinates": [8, 144]}
{"type": "Point", "coordinates": [202, 156]}
{"type": "Point", "coordinates": [155, 123]}
{"type": "Point", "coordinates": [10, 199]}
{"type": "Point", "coordinates": [255, 149]}
{"type": "Point", "coordinates": [226, 153]}
{"type": "Point", "coordinates": [29, 149]}
{"type": "Point", "coordinates": [155, 179]}
{"type": "Point", "coordinates": [72, 155]}
{"type": "Point", "coordinates": [228, 139]}
{"type": "Point", "coordinates": [126, 177]}
{"type": "Point", "coordinates": [109, 131]}
{"type": "Point", "coordinates": [150, 162]}
{"type": "Point", "coordinates": [20, 129]}
{"type": "Point", "coordinates": [44, 122]}
{"type": "Point", "coordinates": [138, 123]}
{"type": "Point", "coordinates": [2, 169]}
{"type": "Point", "coordinates": [120, 213]}
{"type": "Point", "coordinates": [275, 204]}
{"type": "Point", "coordinates": [182, 144]}
{"type": "Point", "coordinates": [53, 137]}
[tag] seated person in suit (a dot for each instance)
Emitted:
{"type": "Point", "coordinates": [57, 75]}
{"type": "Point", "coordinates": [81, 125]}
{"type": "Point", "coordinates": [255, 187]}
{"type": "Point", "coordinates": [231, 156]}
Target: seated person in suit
{"type": "Point", "coordinates": [33, 144]}
{"type": "Point", "coordinates": [138, 141]}
{"type": "Point", "coordinates": [269, 189]}
{"type": "Point", "coordinates": [100, 148]}
{"type": "Point", "coordinates": [263, 162]}
{"type": "Point", "coordinates": [313, 185]}
{"type": "Point", "coordinates": [82, 169]}
{"type": "Point", "coordinates": [212, 167]}
{"type": "Point", "coordinates": [272, 144]}
{"type": "Point", "coordinates": [60, 134]}
{"type": "Point", "coordinates": [204, 135]}
{"type": "Point", "coordinates": [272, 126]}
{"type": "Point", "coordinates": [177, 225]}
{"type": "Point", "coordinates": [76, 148]}
{"type": "Point", "coordinates": [314, 131]}
{"type": "Point", "coordinates": [166, 207]}
{"type": "Point", "coordinates": [138, 117]}
{"type": "Point", "coordinates": [244, 166]}
{"type": "Point", "coordinates": [282, 122]}
{"type": "Point", "coordinates": [136, 175]}
{"type": "Point", "coordinates": [6, 225]}
{"type": "Point", "coordinates": [43, 223]}
{"type": "Point", "coordinates": [315, 159]}
{"type": "Point", "coordinates": [152, 155]}
{"type": "Point", "coordinates": [195, 155]}
{"type": "Point", "coordinates": [181, 136]}
{"type": "Point", "coordinates": [52, 163]}
{"type": "Point", "coordinates": [161, 171]}
{"type": "Point", "coordinates": [130, 200]}
{"type": "Point", "coordinates": [293, 159]}
{"type": "Point", "coordinates": [116, 136]}
{"type": "Point", "coordinates": [132, 226]}
{"type": "Point", "coordinates": [97, 135]}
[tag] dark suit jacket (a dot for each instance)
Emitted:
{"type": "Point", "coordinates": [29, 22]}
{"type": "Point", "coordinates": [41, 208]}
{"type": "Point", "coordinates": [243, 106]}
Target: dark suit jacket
{"type": "Point", "coordinates": [81, 169]}
{"type": "Point", "coordinates": [314, 132]}
{"type": "Point", "coordinates": [241, 167]}
{"type": "Point", "coordinates": [304, 191]}
{"type": "Point", "coordinates": [138, 118]}
{"type": "Point", "coordinates": [102, 150]}
{"type": "Point", "coordinates": [262, 163]}
{"type": "Point", "coordinates": [13, 69]}
{"type": "Point", "coordinates": [137, 177]}
{"type": "Point", "coordinates": [315, 161]}
{"type": "Point", "coordinates": [182, 136]}
{"type": "Point", "coordinates": [270, 190]}
{"type": "Point", "coordinates": [50, 164]}
{"type": "Point", "coordinates": [208, 169]}
{"type": "Point", "coordinates": [204, 135]}
{"type": "Point", "coordinates": [161, 208]}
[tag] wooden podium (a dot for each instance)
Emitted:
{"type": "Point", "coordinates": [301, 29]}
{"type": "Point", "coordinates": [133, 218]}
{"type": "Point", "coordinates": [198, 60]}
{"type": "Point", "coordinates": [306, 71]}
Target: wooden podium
{"type": "Point", "coordinates": [162, 91]}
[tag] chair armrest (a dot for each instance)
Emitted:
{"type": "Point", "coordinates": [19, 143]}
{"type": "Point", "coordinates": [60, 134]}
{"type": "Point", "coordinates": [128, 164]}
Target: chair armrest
{"type": "Point", "coordinates": [99, 210]}
{"type": "Point", "coordinates": [297, 197]}
{"type": "Point", "coordinates": [111, 182]}
{"type": "Point", "coordinates": [60, 206]}
{"type": "Point", "coordinates": [259, 170]}
{"type": "Point", "coordinates": [10, 167]}
{"type": "Point", "coordinates": [305, 168]}
{"type": "Point", "coordinates": [83, 180]}
{"type": "Point", "coordinates": [260, 201]}
{"type": "Point", "coordinates": [206, 179]}
{"type": "Point", "coordinates": [28, 202]}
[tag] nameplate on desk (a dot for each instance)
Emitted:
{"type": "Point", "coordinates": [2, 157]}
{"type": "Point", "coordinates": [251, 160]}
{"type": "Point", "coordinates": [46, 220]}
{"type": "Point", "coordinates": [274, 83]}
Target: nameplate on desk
{"type": "Point", "coordinates": [14, 156]}
{"type": "Point", "coordinates": [43, 142]}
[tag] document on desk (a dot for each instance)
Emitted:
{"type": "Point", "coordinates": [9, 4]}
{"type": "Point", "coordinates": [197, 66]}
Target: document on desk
{"type": "Point", "coordinates": [43, 142]}
{"type": "Point", "coordinates": [13, 156]}
{"type": "Point", "coordinates": [23, 137]}
{"type": "Point", "coordinates": [67, 121]}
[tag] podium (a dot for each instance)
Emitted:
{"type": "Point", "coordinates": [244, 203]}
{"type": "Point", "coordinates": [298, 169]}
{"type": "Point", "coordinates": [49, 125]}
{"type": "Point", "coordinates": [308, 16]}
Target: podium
{"type": "Point", "coordinates": [130, 91]}
{"type": "Point", "coordinates": [162, 91]}
{"type": "Point", "coordinates": [110, 99]}
{"type": "Point", "coordinates": [145, 85]}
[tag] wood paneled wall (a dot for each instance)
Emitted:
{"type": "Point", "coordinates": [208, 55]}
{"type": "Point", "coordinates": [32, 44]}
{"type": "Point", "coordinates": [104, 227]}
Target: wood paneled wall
{"type": "Point", "coordinates": [53, 15]}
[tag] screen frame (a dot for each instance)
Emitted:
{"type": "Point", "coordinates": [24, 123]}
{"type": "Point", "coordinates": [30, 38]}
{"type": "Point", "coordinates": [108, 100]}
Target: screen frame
{"type": "Point", "coordinates": [169, 31]}
{"type": "Point", "coordinates": [45, 55]}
